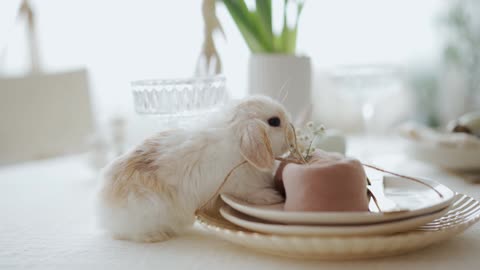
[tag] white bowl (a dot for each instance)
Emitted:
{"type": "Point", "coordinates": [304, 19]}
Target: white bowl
{"type": "Point", "coordinates": [459, 159]}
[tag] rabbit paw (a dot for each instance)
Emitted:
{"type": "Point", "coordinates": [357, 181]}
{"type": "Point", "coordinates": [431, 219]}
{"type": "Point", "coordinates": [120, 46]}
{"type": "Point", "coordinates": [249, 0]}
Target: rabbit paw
{"type": "Point", "coordinates": [265, 196]}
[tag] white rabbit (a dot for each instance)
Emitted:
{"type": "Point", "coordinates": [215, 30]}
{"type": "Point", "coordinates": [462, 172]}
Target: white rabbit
{"type": "Point", "coordinates": [151, 193]}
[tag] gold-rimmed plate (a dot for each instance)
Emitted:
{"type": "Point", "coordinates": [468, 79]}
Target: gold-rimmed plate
{"type": "Point", "coordinates": [391, 227]}
{"type": "Point", "coordinates": [464, 212]}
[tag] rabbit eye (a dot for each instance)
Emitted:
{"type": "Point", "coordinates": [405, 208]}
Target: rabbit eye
{"type": "Point", "coordinates": [274, 121]}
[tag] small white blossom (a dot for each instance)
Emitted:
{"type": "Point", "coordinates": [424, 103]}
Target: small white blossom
{"type": "Point", "coordinates": [306, 137]}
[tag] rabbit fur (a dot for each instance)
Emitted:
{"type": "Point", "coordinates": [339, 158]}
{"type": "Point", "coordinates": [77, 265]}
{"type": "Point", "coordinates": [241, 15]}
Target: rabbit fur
{"type": "Point", "coordinates": [151, 192]}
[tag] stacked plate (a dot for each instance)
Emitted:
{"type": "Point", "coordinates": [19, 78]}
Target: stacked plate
{"type": "Point", "coordinates": [421, 217]}
{"type": "Point", "coordinates": [450, 150]}
{"type": "Point", "coordinates": [451, 158]}
{"type": "Point", "coordinates": [416, 205]}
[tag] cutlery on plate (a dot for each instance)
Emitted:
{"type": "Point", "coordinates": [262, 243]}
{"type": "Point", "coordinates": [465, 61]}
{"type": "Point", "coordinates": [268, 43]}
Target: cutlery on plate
{"type": "Point", "coordinates": [382, 203]}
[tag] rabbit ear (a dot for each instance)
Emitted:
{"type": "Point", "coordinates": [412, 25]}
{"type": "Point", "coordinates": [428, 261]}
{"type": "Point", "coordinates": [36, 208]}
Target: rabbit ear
{"type": "Point", "coordinates": [255, 145]}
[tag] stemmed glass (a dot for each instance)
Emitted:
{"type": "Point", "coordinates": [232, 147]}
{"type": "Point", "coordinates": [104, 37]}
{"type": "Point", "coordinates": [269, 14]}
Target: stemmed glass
{"type": "Point", "coordinates": [370, 85]}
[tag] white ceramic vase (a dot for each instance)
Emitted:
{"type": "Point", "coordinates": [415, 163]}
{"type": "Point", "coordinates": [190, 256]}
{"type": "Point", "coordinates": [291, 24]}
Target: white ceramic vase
{"type": "Point", "coordinates": [277, 75]}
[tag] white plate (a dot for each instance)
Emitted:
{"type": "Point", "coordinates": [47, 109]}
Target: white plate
{"type": "Point", "coordinates": [418, 198]}
{"type": "Point", "coordinates": [465, 211]}
{"type": "Point", "coordinates": [257, 225]}
{"type": "Point", "coordinates": [460, 159]}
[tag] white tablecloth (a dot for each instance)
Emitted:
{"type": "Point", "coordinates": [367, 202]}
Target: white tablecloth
{"type": "Point", "coordinates": [47, 221]}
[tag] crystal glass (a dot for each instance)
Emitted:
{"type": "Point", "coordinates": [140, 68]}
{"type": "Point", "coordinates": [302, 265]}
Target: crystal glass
{"type": "Point", "coordinates": [179, 97]}
{"type": "Point", "coordinates": [176, 103]}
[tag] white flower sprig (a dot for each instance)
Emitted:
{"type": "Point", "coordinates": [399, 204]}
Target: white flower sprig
{"type": "Point", "coordinates": [306, 138]}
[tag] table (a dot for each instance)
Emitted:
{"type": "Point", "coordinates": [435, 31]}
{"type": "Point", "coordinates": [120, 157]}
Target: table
{"type": "Point", "coordinates": [47, 221]}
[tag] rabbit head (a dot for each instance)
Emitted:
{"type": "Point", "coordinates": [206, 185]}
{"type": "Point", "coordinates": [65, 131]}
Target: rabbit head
{"type": "Point", "coordinates": [263, 130]}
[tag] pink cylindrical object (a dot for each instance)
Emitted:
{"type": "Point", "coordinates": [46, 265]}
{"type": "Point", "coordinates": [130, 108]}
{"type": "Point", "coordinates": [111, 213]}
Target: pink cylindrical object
{"type": "Point", "coordinates": [330, 182]}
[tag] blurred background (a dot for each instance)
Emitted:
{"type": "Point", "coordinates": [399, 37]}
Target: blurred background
{"type": "Point", "coordinates": [70, 91]}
